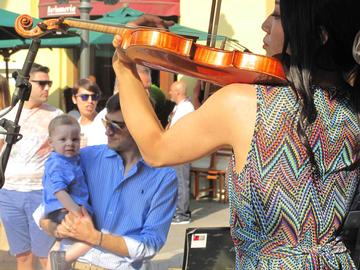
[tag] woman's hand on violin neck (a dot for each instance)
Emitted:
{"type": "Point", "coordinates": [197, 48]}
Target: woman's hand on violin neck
{"type": "Point", "coordinates": [151, 21]}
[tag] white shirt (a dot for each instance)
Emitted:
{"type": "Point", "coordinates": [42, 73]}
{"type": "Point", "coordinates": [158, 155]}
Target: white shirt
{"type": "Point", "coordinates": [25, 167]}
{"type": "Point", "coordinates": [180, 110]}
{"type": "Point", "coordinates": [93, 133]}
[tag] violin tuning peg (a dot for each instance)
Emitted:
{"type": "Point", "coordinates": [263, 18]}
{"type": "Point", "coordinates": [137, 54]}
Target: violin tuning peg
{"type": "Point", "coordinates": [42, 26]}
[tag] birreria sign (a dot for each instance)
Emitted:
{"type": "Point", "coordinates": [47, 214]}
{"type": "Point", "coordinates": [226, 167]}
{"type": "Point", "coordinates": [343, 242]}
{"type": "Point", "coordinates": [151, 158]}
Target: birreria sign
{"type": "Point", "coordinates": [63, 10]}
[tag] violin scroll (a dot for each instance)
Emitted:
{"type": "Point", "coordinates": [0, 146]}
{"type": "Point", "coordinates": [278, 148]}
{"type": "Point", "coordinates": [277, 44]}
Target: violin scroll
{"type": "Point", "coordinates": [23, 26]}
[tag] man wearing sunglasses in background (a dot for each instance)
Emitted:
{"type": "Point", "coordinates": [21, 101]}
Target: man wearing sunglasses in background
{"type": "Point", "coordinates": [86, 95]}
{"type": "Point", "coordinates": [133, 202]}
{"type": "Point", "coordinates": [22, 191]}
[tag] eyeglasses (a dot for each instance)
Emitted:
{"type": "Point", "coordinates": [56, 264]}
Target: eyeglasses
{"type": "Point", "coordinates": [113, 125]}
{"type": "Point", "coordinates": [43, 83]}
{"type": "Point", "coordinates": [85, 97]}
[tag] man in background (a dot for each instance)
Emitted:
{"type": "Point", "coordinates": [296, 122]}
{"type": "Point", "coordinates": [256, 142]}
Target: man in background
{"type": "Point", "coordinates": [162, 106]}
{"type": "Point", "coordinates": [177, 94]}
{"type": "Point", "coordinates": [22, 191]}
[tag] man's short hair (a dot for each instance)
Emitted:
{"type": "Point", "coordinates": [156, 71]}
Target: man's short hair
{"type": "Point", "coordinates": [60, 120]}
{"type": "Point", "coordinates": [88, 85]}
{"type": "Point", "coordinates": [38, 68]}
{"type": "Point", "coordinates": [113, 104]}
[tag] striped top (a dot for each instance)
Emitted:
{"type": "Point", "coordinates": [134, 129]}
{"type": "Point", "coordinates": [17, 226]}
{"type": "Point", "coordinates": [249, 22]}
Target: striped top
{"type": "Point", "coordinates": [138, 206]}
{"type": "Point", "coordinates": [282, 215]}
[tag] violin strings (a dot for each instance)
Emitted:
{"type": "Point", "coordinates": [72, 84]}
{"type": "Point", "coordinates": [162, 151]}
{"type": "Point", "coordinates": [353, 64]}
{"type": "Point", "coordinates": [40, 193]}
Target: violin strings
{"type": "Point", "coordinates": [232, 43]}
{"type": "Point", "coordinates": [236, 44]}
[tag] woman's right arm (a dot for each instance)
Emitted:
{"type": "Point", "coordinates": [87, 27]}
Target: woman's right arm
{"type": "Point", "coordinates": [227, 118]}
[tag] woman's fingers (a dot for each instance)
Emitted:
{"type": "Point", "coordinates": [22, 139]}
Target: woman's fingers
{"type": "Point", "coordinates": [151, 21]}
{"type": "Point", "coordinates": [117, 41]}
{"type": "Point", "coordinates": [119, 54]}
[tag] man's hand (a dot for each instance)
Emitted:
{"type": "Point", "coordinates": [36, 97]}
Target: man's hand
{"type": "Point", "coordinates": [49, 226]}
{"type": "Point", "coordinates": [151, 21]}
{"type": "Point", "coordinates": [79, 227]}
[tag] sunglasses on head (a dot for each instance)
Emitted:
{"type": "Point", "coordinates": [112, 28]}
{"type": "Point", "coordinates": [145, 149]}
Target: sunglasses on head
{"type": "Point", "coordinates": [85, 97]}
{"type": "Point", "coordinates": [113, 125]}
{"type": "Point", "coordinates": [43, 83]}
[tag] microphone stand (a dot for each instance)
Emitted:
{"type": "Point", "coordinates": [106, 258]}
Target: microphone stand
{"type": "Point", "coordinates": [22, 93]}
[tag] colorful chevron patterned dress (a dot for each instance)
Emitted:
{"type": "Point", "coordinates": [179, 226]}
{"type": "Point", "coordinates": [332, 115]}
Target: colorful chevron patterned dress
{"type": "Point", "coordinates": [281, 215]}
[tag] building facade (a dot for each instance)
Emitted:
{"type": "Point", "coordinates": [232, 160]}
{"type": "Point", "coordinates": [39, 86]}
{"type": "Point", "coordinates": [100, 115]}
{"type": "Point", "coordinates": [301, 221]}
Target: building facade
{"type": "Point", "coordinates": [239, 20]}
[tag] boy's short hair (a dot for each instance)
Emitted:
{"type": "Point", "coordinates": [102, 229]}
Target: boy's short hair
{"type": "Point", "coordinates": [63, 119]}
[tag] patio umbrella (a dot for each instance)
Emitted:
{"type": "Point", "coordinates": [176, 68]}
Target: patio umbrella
{"type": "Point", "coordinates": [7, 32]}
{"type": "Point", "coordinates": [124, 15]}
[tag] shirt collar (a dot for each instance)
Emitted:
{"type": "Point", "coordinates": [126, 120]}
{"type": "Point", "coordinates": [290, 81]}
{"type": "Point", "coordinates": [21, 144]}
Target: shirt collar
{"type": "Point", "coordinates": [74, 159]}
{"type": "Point", "coordinates": [111, 153]}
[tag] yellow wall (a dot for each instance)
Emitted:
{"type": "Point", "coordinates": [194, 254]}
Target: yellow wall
{"type": "Point", "coordinates": [61, 68]}
{"type": "Point", "coordinates": [239, 19]}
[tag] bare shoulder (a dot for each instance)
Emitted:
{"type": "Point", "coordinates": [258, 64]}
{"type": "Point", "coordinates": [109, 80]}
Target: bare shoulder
{"type": "Point", "coordinates": [237, 91]}
{"type": "Point", "coordinates": [236, 96]}
{"type": "Point", "coordinates": [233, 106]}
{"type": "Point", "coordinates": [238, 106]}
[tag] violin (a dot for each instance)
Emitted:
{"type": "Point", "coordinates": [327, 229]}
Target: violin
{"type": "Point", "coordinates": [163, 50]}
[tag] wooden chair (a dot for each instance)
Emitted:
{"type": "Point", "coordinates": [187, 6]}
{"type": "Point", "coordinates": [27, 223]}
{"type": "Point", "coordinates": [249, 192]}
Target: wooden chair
{"type": "Point", "coordinates": [214, 175]}
{"type": "Point", "coordinates": [219, 176]}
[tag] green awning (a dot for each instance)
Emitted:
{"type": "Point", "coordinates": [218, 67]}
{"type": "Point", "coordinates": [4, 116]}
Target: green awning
{"type": "Point", "coordinates": [9, 38]}
{"type": "Point", "coordinates": [124, 15]}
{"type": "Point", "coordinates": [118, 17]}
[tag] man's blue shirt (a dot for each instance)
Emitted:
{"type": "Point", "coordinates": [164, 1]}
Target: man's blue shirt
{"type": "Point", "coordinates": [139, 205]}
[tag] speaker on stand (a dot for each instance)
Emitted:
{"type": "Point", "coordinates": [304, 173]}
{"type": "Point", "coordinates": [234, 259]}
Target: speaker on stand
{"type": "Point", "coordinates": [208, 249]}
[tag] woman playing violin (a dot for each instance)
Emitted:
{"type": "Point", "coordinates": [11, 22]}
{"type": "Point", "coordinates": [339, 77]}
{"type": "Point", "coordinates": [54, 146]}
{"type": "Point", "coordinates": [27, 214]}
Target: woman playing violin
{"type": "Point", "coordinates": [294, 170]}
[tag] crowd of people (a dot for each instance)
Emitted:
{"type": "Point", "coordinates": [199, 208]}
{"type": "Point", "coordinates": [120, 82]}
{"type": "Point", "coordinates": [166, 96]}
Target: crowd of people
{"type": "Point", "coordinates": [68, 198]}
{"type": "Point", "coordinates": [68, 156]}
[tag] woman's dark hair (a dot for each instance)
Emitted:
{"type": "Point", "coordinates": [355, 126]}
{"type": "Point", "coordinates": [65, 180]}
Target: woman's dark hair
{"type": "Point", "coordinates": [320, 36]}
{"type": "Point", "coordinates": [88, 85]}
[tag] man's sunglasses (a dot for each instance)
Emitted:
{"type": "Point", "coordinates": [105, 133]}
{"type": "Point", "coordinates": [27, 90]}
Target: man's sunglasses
{"type": "Point", "coordinates": [85, 97]}
{"type": "Point", "coordinates": [113, 125]}
{"type": "Point", "coordinates": [43, 83]}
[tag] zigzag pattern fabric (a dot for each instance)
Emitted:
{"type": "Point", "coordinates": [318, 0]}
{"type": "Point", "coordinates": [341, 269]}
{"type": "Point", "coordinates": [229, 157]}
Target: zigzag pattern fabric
{"type": "Point", "coordinates": [282, 214]}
